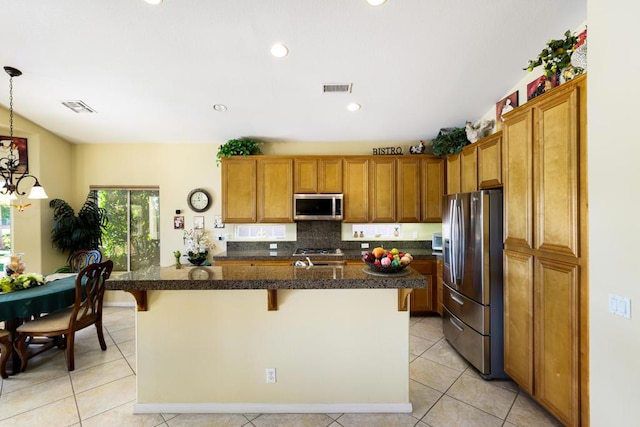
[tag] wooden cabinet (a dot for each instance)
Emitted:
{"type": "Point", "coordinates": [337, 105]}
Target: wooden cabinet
{"type": "Point", "coordinates": [432, 179]}
{"type": "Point", "coordinates": [453, 173]}
{"type": "Point", "coordinates": [317, 175]}
{"type": "Point", "coordinates": [424, 300]}
{"type": "Point", "coordinates": [275, 190]}
{"type": "Point", "coordinates": [382, 189]}
{"type": "Point", "coordinates": [239, 190]}
{"type": "Point", "coordinates": [356, 190]}
{"type": "Point", "coordinates": [258, 189]}
{"type": "Point", "coordinates": [477, 167]}
{"type": "Point", "coordinates": [545, 257]}
{"type": "Point", "coordinates": [408, 190]}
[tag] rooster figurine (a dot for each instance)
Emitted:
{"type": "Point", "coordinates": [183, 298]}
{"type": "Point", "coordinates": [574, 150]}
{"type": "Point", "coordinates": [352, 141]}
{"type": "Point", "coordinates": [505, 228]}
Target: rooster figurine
{"type": "Point", "coordinates": [417, 149]}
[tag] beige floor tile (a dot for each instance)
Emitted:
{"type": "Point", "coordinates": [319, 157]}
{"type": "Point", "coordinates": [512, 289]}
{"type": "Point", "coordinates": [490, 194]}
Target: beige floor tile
{"type": "Point", "coordinates": [432, 374]}
{"type": "Point", "coordinates": [423, 330]}
{"type": "Point", "coordinates": [59, 413]}
{"type": "Point", "coordinates": [123, 335]}
{"type": "Point", "coordinates": [451, 412]}
{"type": "Point", "coordinates": [208, 420]}
{"type": "Point", "coordinates": [444, 354]}
{"type": "Point", "coordinates": [131, 360]}
{"type": "Point", "coordinates": [118, 324]}
{"type": "Point", "coordinates": [526, 412]}
{"type": "Point", "coordinates": [167, 417]}
{"type": "Point", "coordinates": [127, 348]}
{"type": "Point", "coordinates": [105, 397]}
{"type": "Point", "coordinates": [89, 341]}
{"type": "Point", "coordinates": [418, 345]}
{"type": "Point", "coordinates": [253, 416]}
{"type": "Point", "coordinates": [123, 416]}
{"type": "Point", "coordinates": [483, 395]}
{"type": "Point", "coordinates": [42, 368]}
{"type": "Point", "coordinates": [433, 321]}
{"type": "Point", "coordinates": [98, 375]}
{"type": "Point", "coordinates": [92, 358]}
{"type": "Point", "coordinates": [377, 420]}
{"type": "Point", "coordinates": [507, 384]}
{"type": "Point", "coordinates": [422, 398]}
{"type": "Point", "coordinates": [34, 396]}
{"type": "Point", "coordinates": [292, 420]}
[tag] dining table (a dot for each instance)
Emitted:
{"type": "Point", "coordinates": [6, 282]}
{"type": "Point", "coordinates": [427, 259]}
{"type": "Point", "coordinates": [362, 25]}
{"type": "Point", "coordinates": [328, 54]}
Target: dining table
{"type": "Point", "coordinates": [56, 293]}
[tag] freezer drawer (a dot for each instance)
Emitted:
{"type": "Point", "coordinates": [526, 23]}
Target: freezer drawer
{"type": "Point", "coordinates": [470, 344]}
{"type": "Point", "coordinates": [469, 311]}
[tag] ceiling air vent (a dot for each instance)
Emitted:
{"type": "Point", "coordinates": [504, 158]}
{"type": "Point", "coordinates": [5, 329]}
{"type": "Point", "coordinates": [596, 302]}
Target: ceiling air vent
{"type": "Point", "coordinates": [78, 107]}
{"type": "Point", "coordinates": [337, 88]}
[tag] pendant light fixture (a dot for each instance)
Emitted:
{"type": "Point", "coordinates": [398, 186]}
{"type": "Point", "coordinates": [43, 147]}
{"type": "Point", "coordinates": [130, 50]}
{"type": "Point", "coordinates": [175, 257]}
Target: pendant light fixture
{"type": "Point", "coordinates": [10, 157]}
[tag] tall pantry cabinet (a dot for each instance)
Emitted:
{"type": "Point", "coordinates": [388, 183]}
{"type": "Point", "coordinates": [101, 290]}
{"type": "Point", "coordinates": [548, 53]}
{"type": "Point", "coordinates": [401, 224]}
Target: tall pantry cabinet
{"type": "Point", "coordinates": [545, 250]}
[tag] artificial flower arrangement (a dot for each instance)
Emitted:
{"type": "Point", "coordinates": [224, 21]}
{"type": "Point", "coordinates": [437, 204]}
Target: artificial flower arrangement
{"type": "Point", "coordinates": [556, 56]}
{"type": "Point", "coordinates": [197, 244]}
{"type": "Point", "coordinates": [18, 282]}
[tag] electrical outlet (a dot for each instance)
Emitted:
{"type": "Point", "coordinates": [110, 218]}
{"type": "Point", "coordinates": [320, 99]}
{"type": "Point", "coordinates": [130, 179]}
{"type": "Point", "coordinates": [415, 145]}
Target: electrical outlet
{"type": "Point", "coordinates": [273, 246]}
{"type": "Point", "coordinates": [620, 306]}
{"type": "Point", "coordinates": [364, 246]}
{"type": "Point", "coordinates": [271, 375]}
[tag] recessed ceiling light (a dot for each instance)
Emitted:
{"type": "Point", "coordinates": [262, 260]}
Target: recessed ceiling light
{"type": "Point", "coordinates": [353, 107]}
{"type": "Point", "coordinates": [376, 2]}
{"type": "Point", "coordinates": [279, 50]}
{"type": "Point", "coordinates": [153, 2]}
{"type": "Point", "coordinates": [220, 107]}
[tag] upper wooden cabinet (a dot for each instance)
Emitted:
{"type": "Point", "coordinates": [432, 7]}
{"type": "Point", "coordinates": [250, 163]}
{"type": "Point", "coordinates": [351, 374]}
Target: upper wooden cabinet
{"type": "Point", "coordinates": [317, 175]}
{"type": "Point", "coordinates": [275, 190]}
{"type": "Point", "coordinates": [356, 189]}
{"type": "Point", "coordinates": [239, 190]}
{"type": "Point", "coordinates": [382, 189]}
{"type": "Point", "coordinates": [432, 180]}
{"type": "Point", "coordinates": [408, 190]}
{"type": "Point", "coordinates": [477, 167]}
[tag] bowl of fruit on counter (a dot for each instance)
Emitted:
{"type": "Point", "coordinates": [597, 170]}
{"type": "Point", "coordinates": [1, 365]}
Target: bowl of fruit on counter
{"type": "Point", "coordinates": [387, 261]}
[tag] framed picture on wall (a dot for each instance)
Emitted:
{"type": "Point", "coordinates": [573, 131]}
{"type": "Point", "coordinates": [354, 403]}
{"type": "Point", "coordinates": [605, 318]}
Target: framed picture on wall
{"type": "Point", "coordinates": [505, 105]}
{"type": "Point", "coordinates": [178, 222]}
{"type": "Point", "coordinates": [198, 222]}
{"type": "Point", "coordinates": [19, 148]}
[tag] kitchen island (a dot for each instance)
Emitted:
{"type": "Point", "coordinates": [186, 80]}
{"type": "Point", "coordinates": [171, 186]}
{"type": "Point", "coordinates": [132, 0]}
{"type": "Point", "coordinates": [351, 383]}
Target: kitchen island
{"type": "Point", "coordinates": [338, 339]}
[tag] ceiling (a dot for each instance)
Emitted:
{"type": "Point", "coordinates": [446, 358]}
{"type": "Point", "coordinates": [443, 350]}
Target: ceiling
{"type": "Point", "coordinates": [153, 73]}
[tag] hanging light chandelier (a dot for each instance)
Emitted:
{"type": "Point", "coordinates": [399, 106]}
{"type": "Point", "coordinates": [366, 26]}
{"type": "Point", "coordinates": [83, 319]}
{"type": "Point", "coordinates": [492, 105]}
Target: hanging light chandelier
{"type": "Point", "coordinates": [10, 158]}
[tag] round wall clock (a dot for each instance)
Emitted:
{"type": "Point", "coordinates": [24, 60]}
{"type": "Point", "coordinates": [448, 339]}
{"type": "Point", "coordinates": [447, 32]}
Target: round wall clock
{"type": "Point", "coordinates": [199, 200]}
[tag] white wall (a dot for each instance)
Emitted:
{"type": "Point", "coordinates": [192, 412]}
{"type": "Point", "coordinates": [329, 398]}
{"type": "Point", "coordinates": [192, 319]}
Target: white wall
{"type": "Point", "coordinates": [614, 224]}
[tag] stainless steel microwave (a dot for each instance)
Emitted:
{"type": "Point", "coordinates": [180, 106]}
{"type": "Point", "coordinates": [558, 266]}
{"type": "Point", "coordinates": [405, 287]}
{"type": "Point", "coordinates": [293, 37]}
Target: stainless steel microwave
{"type": "Point", "coordinates": [317, 207]}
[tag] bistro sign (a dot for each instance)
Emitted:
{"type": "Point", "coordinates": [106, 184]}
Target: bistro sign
{"type": "Point", "coordinates": [387, 151]}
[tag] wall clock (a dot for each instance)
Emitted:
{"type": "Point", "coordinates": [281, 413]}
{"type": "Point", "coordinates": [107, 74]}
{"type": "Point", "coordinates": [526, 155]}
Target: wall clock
{"type": "Point", "coordinates": [199, 200]}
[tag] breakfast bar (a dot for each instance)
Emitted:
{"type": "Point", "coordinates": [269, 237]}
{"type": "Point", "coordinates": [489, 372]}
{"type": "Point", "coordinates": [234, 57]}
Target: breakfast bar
{"type": "Point", "coordinates": [336, 336]}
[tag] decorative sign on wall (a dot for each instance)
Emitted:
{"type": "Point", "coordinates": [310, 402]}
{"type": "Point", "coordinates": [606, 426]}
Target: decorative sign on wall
{"type": "Point", "coordinates": [387, 151]}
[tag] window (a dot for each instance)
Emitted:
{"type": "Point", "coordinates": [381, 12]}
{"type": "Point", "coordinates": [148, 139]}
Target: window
{"type": "Point", "coordinates": [5, 236]}
{"type": "Point", "coordinates": [132, 236]}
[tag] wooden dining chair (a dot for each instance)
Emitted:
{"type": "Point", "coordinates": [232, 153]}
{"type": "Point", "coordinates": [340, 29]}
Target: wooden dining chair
{"type": "Point", "coordinates": [82, 258]}
{"type": "Point", "coordinates": [5, 351]}
{"type": "Point", "coordinates": [86, 310]}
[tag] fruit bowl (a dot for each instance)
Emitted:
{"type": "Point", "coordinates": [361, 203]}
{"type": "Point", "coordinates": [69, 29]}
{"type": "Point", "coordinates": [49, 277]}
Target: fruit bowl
{"type": "Point", "coordinates": [383, 261]}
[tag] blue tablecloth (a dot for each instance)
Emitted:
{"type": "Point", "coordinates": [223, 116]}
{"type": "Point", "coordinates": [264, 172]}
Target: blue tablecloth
{"type": "Point", "coordinates": [47, 298]}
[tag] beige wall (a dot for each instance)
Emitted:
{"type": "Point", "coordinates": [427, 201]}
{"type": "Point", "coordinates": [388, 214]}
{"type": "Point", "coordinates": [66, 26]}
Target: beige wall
{"type": "Point", "coordinates": [357, 354]}
{"type": "Point", "coordinates": [51, 162]}
{"type": "Point", "coordinates": [614, 228]}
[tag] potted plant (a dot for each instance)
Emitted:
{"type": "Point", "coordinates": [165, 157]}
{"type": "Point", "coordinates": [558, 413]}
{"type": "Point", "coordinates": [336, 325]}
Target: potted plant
{"type": "Point", "coordinates": [449, 141]}
{"type": "Point", "coordinates": [72, 232]}
{"type": "Point", "coordinates": [236, 147]}
{"type": "Point", "coordinates": [556, 56]}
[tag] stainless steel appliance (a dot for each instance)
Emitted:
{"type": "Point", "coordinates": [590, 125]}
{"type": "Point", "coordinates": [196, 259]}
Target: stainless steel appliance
{"type": "Point", "coordinates": [324, 207]}
{"type": "Point", "coordinates": [472, 296]}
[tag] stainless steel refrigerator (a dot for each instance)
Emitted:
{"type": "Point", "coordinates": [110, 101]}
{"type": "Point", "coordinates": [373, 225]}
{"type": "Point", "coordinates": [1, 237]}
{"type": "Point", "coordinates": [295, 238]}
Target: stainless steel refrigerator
{"type": "Point", "coordinates": [472, 296]}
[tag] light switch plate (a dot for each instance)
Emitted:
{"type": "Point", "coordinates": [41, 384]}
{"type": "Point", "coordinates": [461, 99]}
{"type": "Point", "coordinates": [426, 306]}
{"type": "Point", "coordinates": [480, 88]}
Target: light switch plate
{"type": "Point", "coordinates": [620, 306]}
{"type": "Point", "coordinates": [364, 246]}
{"type": "Point", "coordinates": [273, 246]}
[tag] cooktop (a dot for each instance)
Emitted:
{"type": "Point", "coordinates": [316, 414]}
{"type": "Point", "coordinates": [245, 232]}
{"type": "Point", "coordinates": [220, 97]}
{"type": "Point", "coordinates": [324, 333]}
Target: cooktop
{"type": "Point", "coordinates": [318, 251]}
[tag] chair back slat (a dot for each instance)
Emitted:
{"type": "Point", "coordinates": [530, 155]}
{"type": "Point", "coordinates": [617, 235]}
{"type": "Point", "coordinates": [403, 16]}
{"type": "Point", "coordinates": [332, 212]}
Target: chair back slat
{"type": "Point", "coordinates": [90, 287]}
{"type": "Point", "coordinates": [82, 258]}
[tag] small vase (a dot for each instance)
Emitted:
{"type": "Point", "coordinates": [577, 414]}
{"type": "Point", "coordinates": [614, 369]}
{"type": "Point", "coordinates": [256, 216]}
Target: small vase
{"type": "Point", "coordinates": [16, 265]}
{"type": "Point", "coordinates": [178, 265]}
{"type": "Point", "coordinates": [396, 232]}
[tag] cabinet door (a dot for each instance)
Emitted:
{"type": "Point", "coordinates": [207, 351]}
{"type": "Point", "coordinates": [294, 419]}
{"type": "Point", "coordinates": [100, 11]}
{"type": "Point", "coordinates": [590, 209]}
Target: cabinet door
{"type": "Point", "coordinates": [382, 190]}
{"type": "Point", "coordinates": [330, 175]}
{"type": "Point", "coordinates": [275, 190]}
{"type": "Point", "coordinates": [408, 190]}
{"type": "Point", "coordinates": [518, 179]}
{"type": "Point", "coordinates": [239, 190]}
{"type": "Point", "coordinates": [469, 169]}
{"type": "Point", "coordinates": [423, 299]}
{"type": "Point", "coordinates": [453, 173]}
{"type": "Point", "coordinates": [556, 175]}
{"type": "Point", "coordinates": [305, 175]}
{"type": "Point", "coordinates": [518, 318]}
{"type": "Point", "coordinates": [432, 172]}
{"type": "Point", "coordinates": [557, 356]}
{"type": "Point", "coordinates": [490, 162]}
{"type": "Point", "coordinates": [356, 190]}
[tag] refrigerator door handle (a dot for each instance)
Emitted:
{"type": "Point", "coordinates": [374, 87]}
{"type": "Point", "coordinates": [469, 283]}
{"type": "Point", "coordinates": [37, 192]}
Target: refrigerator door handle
{"type": "Point", "coordinates": [455, 324]}
{"type": "Point", "coordinates": [453, 239]}
{"type": "Point", "coordinates": [456, 298]}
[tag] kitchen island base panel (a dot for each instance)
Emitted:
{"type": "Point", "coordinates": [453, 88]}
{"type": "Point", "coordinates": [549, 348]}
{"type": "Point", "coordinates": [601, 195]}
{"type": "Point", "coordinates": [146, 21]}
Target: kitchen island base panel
{"type": "Point", "coordinates": [345, 347]}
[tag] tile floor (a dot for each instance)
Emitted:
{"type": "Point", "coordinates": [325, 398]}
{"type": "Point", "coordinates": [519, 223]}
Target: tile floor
{"type": "Point", "coordinates": [445, 390]}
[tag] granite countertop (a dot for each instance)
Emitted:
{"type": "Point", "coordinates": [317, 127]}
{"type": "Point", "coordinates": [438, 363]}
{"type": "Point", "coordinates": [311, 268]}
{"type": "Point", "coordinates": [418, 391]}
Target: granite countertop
{"type": "Point", "coordinates": [287, 255]}
{"type": "Point", "coordinates": [264, 277]}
